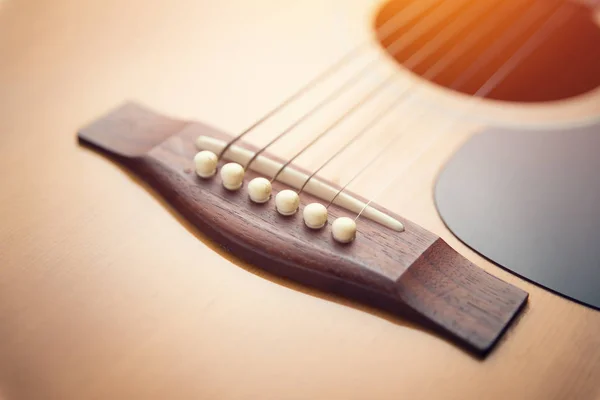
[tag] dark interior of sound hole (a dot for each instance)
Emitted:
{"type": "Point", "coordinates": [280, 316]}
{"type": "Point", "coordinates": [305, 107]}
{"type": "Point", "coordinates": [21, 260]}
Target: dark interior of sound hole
{"type": "Point", "coordinates": [567, 64]}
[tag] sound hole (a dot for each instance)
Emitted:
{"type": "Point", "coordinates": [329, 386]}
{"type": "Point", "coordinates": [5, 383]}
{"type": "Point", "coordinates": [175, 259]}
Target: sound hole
{"type": "Point", "coordinates": [567, 64]}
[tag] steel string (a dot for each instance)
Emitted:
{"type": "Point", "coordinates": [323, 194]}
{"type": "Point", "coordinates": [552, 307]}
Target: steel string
{"type": "Point", "coordinates": [457, 26]}
{"type": "Point", "coordinates": [431, 72]}
{"type": "Point", "coordinates": [556, 19]}
{"type": "Point", "coordinates": [414, 10]}
{"type": "Point", "coordinates": [434, 44]}
{"type": "Point", "coordinates": [396, 46]}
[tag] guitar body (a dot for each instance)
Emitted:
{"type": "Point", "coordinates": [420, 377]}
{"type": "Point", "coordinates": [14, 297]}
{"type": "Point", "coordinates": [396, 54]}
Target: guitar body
{"type": "Point", "coordinates": [106, 291]}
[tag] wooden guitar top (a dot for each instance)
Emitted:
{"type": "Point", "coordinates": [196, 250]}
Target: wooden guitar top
{"type": "Point", "coordinates": [106, 292]}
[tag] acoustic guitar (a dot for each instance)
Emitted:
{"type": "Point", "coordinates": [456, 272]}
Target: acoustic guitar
{"type": "Point", "coordinates": [248, 211]}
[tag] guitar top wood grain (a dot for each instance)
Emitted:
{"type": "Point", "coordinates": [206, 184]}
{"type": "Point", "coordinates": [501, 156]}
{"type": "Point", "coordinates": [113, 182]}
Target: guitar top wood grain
{"type": "Point", "coordinates": [107, 293]}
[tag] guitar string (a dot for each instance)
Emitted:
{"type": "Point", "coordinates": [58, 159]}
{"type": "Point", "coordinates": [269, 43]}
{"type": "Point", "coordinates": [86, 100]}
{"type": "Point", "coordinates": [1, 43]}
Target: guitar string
{"type": "Point", "coordinates": [352, 110]}
{"type": "Point", "coordinates": [489, 54]}
{"type": "Point", "coordinates": [459, 25]}
{"type": "Point", "coordinates": [384, 32]}
{"type": "Point", "coordinates": [432, 72]}
{"type": "Point", "coordinates": [441, 38]}
{"type": "Point", "coordinates": [556, 19]}
{"type": "Point", "coordinates": [398, 45]}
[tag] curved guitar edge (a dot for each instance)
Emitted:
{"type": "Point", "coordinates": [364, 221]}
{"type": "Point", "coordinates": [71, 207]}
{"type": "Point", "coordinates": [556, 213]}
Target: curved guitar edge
{"type": "Point", "coordinates": [413, 273]}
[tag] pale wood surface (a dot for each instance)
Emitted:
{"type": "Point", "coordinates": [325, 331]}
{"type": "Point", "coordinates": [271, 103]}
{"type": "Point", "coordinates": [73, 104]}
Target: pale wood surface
{"type": "Point", "coordinates": [105, 293]}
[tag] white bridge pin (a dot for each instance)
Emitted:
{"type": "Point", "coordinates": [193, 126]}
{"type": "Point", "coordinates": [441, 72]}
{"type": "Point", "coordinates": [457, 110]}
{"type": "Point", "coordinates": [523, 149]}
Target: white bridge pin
{"type": "Point", "coordinates": [315, 215]}
{"type": "Point", "coordinates": [296, 179]}
{"type": "Point", "coordinates": [232, 175]}
{"type": "Point", "coordinates": [259, 190]}
{"type": "Point", "coordinates": [343, 229]}
{"type": "Point", "coordinates": [205, 163]}
{"type": "Point", "coordinates": [287, 202]}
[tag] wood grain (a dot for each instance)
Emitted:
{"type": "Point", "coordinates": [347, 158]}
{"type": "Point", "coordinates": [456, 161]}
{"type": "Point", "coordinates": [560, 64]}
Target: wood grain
{"type": "Point", "coordinates": [107, 293]}
{"type": "Point", "coordinates": [413, 272]}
